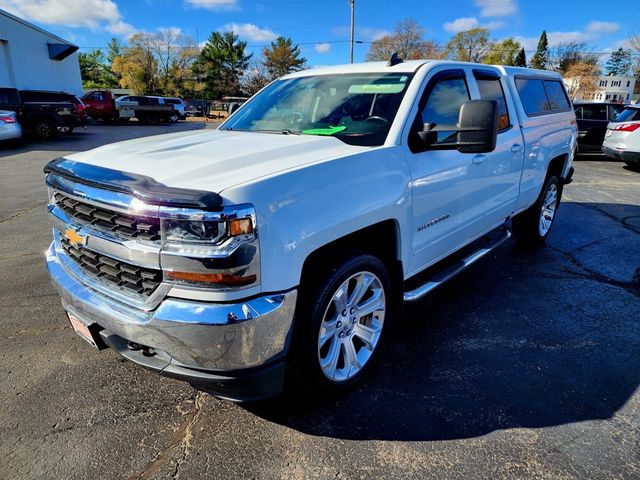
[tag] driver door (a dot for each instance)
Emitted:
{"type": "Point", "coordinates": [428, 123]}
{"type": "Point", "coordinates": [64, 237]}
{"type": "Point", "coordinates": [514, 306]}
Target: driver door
{"type": "Point", "coordinates": [448, 187]}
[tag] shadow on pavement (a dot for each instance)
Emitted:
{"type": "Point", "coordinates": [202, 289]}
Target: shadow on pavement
{"type": "Point", "coordinates": [525, 339]}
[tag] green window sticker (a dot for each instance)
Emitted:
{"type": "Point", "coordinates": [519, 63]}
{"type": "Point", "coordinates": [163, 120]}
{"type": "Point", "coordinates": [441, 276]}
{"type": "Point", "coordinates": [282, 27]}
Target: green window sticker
{"type": "Point", "coordinates": [325, 131]}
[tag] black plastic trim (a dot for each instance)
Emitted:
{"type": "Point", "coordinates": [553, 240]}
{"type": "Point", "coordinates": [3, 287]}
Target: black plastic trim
{"type": "Point", "coordinates": [485, 74]}
{"type": "Point", "coordinates": [142, 187]}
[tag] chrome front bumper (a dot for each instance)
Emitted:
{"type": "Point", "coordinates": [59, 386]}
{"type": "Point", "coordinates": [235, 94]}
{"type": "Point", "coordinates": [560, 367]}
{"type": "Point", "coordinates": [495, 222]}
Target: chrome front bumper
{"type": "Point", "coordinates": [183, 333]}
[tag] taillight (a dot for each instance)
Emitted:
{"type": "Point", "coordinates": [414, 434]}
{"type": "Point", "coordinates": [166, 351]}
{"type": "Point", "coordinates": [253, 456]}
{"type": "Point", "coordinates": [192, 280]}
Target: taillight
{"type": "Point", "coordinates": [627, 127]}
{"type": "Point", "coordinates": [7, 119]}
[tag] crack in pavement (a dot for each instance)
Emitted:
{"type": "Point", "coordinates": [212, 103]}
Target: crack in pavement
{"type": "Point", "coordinates": [181, 438]}
{"type": "Point", "coordinates": [621, 221]}
{"type": "Point", "coordinates": [22, 212]}
{"type": "Point", "coordinates": [632, 287]}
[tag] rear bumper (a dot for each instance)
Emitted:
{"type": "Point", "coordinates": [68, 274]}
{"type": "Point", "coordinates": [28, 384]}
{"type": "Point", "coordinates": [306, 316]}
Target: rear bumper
{"type": "Point", "coordinates": [625, 156]}
{"type": "Point", "coordinates": [234, 351]}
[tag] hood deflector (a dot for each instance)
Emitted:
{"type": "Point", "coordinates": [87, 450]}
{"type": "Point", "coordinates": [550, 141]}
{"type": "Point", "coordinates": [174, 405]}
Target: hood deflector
{"type": "Point", "coordinates": [141, 187]}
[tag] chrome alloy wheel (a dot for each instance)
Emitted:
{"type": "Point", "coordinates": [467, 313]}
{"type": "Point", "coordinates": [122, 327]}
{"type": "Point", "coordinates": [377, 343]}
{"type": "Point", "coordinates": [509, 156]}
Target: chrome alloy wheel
{"type": "Point", "coordinates": [548, 212]}
{"type": "Point", "coordinates": [351, 326]}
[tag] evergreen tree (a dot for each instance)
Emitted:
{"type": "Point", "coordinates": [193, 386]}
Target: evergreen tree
{"type": "Point", "coordinates": [282, 58]}
{"type": "Point", "coordinates": [521, 59]}
{"type": "Point", "coordinates": [619, 63]}
{"type": "Point", "coordinates": [540, 59]}
{"type": "Point", "coordinates": [221, 64]}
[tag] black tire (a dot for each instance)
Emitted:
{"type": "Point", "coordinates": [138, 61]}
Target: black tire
{"type": "Point", "coordinates": [306, 372]}
{"type": "Point", "coordinates": [527, 226]}
{"type": "Point", "coordinates": [152, 118]}
{"type": "Point", "coordinates": [173, 118]}
{"type": "Point", "coordinates": [44, 129]}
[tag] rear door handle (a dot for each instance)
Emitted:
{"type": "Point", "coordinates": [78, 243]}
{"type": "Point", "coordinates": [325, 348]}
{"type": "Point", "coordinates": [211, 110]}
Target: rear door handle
{"type": "Point", "coordinates": [516, 147]}
{"type": "Point", "coordinates": [478, 159]}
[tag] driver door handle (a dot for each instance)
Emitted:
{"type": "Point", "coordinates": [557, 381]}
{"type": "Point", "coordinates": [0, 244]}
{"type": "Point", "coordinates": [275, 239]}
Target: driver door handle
{"type": "Point", "coordinates": [516, 147]}
{"type": "Point", "coordinates": [478, 159]}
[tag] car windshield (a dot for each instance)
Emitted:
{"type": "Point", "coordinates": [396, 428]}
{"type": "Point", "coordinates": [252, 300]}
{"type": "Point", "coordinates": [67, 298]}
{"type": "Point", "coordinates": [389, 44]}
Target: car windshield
{"type": "Point", "coordinates": [355, 108]}
{"type": "Point", "coordinates": [629, 114]}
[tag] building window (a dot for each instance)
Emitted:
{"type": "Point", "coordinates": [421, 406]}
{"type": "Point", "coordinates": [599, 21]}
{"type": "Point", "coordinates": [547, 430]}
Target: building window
{"type": "Point", "coordinates": [603, 83]}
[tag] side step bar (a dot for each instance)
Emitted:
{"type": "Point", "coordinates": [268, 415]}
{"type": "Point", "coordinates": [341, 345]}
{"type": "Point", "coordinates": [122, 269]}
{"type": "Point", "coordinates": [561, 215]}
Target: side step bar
{"type": "Point", "coordinates": [455, 269]}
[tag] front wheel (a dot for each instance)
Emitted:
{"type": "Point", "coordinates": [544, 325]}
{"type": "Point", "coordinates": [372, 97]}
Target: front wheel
{"type": "Point", "coordinates": [344, 321]}
{"type": "Point", "coordinates": [534, 224]}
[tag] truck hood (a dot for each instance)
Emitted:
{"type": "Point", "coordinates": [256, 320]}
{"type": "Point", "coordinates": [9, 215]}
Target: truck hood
{"type": "Point", "coordinates": [213, 160]}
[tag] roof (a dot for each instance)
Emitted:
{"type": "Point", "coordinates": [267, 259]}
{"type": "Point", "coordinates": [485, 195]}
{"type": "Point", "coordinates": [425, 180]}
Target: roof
{"type": "Point", "coordinates": [33, 27]}
{"type": "Point", "coordinates": [408, 66]}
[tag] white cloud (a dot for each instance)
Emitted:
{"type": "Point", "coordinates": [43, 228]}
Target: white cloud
{"type": "Point", "coordinates": [467, 23]}
{"type": "Point", "coordinates": [92, 14]}
{"type": "Point", "coordinates": [461, 24]}
{"type": "Point", "coordinates": [251, 31]}
{"type": "Point", "coordinates": [556, 38]}
{"type": "Point", "coordinates": [361, 33]}
{"type": "Point", "coordinates": [323, 47]}
{"type": "Point", "coordinates": [602, 28]}
{"type": "Point", "coordinates": [496, 8]}
{"type": "Point", "coordinates": [214, 4]}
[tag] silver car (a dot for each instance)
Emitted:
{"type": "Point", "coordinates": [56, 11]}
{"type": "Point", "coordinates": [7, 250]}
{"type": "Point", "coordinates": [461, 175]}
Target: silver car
{"type": "Point", "coordinates": [622, 140]}
{"type": "Point", "coordinates": [10, 129]}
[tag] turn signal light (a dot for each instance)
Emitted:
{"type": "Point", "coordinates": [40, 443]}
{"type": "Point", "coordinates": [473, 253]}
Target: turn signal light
{"type": "Point", "coordinates": [217, 278]}
{"type": "Point", "coordinates": [240, 226]}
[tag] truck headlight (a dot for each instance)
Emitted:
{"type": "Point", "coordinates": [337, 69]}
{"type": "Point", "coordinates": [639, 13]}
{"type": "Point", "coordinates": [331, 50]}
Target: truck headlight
{"type": "Point", "coordinates": [216, 250]}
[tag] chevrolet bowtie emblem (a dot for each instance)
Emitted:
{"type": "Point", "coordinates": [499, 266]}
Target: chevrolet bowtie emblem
{"type": "Point", "coordinates": [74, 237]}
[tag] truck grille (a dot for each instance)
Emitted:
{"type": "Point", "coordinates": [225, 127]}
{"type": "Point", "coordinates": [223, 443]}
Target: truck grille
{"type": "Point", "coordinates": [140, 228]}
{"type": "Point", "coordinates": [131, 278]}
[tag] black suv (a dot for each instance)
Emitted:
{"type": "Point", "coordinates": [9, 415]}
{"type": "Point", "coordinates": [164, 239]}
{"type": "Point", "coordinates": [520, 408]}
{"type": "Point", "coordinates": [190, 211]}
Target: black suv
{"type": "Point", "coordinates": [42, 112]}
{"type": "Point", "coordinates": [593, 119]}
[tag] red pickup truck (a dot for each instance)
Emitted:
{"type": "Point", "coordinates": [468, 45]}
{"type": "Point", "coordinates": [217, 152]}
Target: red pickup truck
{"type": "Point", "coordinates": [101, 104]}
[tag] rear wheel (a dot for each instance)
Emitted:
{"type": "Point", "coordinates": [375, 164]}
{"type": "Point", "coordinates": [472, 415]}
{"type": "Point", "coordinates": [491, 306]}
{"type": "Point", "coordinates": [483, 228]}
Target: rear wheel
{"type": "Point", "coordinates": [152, 118]}
{"type": "Point", "coordinates": [343, 323]}
{"type": "Point", "coordinates": [534, 224]}
{"type": "Point", "coordinates": [173, 118]}
{"type": "Point", "coordinates": [44, 129]}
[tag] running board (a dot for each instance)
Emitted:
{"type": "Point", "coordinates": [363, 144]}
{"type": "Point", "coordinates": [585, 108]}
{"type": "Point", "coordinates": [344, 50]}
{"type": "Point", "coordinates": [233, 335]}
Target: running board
{"type": "Point", "coordinates": [447, 274]}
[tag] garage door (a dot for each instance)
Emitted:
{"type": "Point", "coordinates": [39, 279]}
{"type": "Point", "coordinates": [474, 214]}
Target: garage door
{"type": "Point", "coordinates": [6, 72]}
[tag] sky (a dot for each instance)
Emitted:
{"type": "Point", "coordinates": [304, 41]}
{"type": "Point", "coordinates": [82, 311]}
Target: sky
{"type": "Point", "coordinates": [321, 27]}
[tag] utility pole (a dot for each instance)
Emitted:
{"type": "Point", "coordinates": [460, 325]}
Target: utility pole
{"type": "Point", "coordinates": [353, 8]}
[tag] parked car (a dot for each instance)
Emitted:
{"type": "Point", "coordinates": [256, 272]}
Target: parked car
{"type": "Point", "coordinates": [282, 244]}
{"type": "Point", "coordinates": [103, 105]}
{"type": "Point", "coordinates": [593, 119]}
{"type": "Point", "coordinates": [40, 115]}
{"type": "Point", "coordinates": [197, 108]}
{"type": "Point", "coordinates": [179, 106]}
{"type": "Point", "coordinates": [10, 129]}
{"type": "Point", "coordinates": [622, 140]}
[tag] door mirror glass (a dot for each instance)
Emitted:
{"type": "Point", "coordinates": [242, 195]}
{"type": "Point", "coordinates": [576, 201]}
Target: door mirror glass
{"type": "Point", "coordinates": [476, 131]}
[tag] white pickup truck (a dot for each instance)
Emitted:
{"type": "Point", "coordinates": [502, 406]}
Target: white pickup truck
{"type": "Point", "coordinates": [282, 245]}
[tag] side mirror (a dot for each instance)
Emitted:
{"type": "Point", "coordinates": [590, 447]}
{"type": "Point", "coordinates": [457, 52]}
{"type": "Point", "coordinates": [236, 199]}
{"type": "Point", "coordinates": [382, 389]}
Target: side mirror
{"type": "Point", "coordinates": [476, 131]}
{"type": "Point", "coordinates": [478, 126]}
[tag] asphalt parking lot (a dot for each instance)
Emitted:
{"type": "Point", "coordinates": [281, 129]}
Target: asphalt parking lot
{"type": "Point", "coordinates": [525, 366]}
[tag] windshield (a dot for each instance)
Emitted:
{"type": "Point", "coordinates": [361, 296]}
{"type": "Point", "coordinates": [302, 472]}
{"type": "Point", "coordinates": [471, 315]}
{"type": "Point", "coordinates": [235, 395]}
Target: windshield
{"type": "Point", "coordinates": [355, 108]}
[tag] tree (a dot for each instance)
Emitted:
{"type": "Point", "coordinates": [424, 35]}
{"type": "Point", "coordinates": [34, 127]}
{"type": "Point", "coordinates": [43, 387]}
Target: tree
{"type": "Point", "coordinates": [565, 54]}
{"type": "Point", "coordinates": [581, 79]}
{"type": "Point", "coordinates": [521, 58]}
{"type": "Point", "coordinates": [633, 42]}
{"type": "Point", "coordinates": [282, 58]}
{"type": "Point", "coordinates": [175, 54]}
{"type": "Point", "coordinates": [221, 64]}
{"type": "Point", "coordinates": [255, 78]}
{"type": "Point", "coordinates": [137, 67]}
{"type": "Point", "coordinates": [619, 63]}
{"type": "Point", "coordinates": [540, 59]}
{"type": "Point", "coordinates": [407, 40]}
{"type": "Point", "coordinates": [470, 46]}
{"type": "Point", "coordinates": [504, 53]}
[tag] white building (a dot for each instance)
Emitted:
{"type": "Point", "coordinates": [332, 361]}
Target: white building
{"type": "Point", "coordinates": [607, 89]}
{"type": "Point", "coordinates": [33, 59]}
